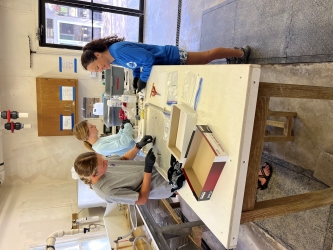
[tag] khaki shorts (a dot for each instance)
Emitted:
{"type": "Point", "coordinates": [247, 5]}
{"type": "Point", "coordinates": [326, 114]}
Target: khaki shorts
{"type": "Point", "coordinates": [182, 56]}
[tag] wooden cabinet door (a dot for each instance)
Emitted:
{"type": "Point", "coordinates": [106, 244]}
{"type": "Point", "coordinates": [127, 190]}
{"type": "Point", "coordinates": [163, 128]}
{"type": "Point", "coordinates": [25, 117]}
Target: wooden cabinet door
{"type": "Point", "coordinates": [56, 107]}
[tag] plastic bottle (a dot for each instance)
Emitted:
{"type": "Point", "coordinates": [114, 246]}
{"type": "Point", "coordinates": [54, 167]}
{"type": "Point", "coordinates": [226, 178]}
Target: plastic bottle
{"type": "Point", "coordinates": [103, 77]}
{"type": "Point", "coordinates": [128, 98]}
{"type": "Point", "coordinates": [98, 108]}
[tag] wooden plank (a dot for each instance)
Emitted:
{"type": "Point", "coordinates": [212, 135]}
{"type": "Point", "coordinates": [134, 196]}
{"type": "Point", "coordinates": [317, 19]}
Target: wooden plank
{"type": "Point", "coordinates": [255, 153]}
{"type": "Point", "coordinates": [294, 91]}
{"type": "Point", "coordinates": [288, 127]}
{"type": "Point", "coordinates": [275, 123]}
{"type": "Point", "coordinates": [277, 138]}
{"type": "Point", "coordinates": [176, 219]}
{"type": "Point", "coordinates": [288, 205]}
{"type": "Point", "coordinates": [278, 113]}
{"type": "Point", "coordinates": [174, 215]}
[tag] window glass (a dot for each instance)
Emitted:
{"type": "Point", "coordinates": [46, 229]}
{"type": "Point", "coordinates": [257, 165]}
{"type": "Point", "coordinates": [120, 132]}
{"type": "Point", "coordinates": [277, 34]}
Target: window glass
{"type": "Point", "coordinates": [68, 25]}
{"type": "Point", "coordinates": [117, 24]}
{"type": "Point", "coordinates": [131, 4]}
{"type": "Point", "coordinates": [97, 244]}
{"type": "Point", "coordinates": [74, 25]}
{"type": "Point", "coordinates": [62, 246]}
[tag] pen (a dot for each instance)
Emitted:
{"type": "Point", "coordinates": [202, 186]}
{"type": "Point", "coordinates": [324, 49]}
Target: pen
{"type": "Point", "coordinates": [197, 96]}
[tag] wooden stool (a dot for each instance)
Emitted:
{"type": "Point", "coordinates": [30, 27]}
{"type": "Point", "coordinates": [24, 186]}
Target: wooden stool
{"type": "Point", "coordinates": [286, 125]}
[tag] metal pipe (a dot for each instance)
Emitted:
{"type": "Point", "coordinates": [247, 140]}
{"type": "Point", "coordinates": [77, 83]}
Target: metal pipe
{"type": "Point", "coordinates": [142, 238]}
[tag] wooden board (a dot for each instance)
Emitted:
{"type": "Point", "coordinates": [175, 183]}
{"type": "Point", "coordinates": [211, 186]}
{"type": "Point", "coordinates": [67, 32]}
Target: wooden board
{"type": "Point", "coordinates": [50, 107]}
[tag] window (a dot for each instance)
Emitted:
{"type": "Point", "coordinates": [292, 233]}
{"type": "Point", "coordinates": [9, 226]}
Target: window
{"type": "Point", "coordinates": [73, 23]}
{"type": "Point", "coordinates": [89, 244]}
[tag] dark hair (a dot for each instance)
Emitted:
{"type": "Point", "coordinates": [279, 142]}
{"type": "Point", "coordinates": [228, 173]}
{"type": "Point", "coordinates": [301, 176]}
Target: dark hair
{"type": "Point", "coordinates": [99, 45]}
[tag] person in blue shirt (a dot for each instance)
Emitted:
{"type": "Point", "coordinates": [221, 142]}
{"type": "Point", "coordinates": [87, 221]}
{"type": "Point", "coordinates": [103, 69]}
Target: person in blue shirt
{"type": "Point", "coordinates": [99, 54]}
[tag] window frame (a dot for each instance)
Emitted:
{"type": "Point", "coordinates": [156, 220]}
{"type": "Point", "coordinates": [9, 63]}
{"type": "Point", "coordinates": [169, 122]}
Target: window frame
{"type": "Point", "coordinates": [62, 241]}
{"type": "Point", "coordinates": [87, 5]}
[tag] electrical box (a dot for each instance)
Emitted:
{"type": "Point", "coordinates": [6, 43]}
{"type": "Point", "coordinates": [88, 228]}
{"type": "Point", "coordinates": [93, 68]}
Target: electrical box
{"type": "Point", "coordinates": [114, 81]}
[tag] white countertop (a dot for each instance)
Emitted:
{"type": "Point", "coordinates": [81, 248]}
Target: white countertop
{"type": "Point", "coordinates": [227, 105]}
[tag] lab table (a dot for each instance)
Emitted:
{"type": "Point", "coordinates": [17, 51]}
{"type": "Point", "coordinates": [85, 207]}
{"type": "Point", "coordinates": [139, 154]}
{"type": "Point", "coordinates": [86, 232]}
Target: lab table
{"type": "Point", "coordinates": [227, 105]}
{"type": "Point", "coordinates": [234, 104]}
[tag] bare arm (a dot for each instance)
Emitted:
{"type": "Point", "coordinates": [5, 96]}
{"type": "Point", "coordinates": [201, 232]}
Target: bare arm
{"type": "Point", "coordinates": [130, 155]}
{"type": "Point", "coordinates": [145, 189]}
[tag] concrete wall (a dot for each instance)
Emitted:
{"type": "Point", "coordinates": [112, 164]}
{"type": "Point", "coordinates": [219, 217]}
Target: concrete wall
{"type": "Point", "coordinates": [38, 195]}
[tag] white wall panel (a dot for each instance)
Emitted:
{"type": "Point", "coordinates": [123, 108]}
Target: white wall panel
{"type": "Point", "coordinates": [30, 213]}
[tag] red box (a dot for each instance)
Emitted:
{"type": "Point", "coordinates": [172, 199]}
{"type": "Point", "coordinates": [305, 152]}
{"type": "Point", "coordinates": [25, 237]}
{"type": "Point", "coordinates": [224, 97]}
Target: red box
{"type": "Point", "coordinates": [205, 160]}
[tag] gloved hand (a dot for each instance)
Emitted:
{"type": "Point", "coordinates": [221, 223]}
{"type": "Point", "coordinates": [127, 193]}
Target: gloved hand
{"type": "Point", "coordinates": [141, 85]}
{"type": "Point", "coordinates": [144, 141]}
{"type": "Point", "coordinates": [135, 82]}
{"type": "Point", "coordinates": [124, 122]}
{"type": "Point", "coordinates": [149, 161]}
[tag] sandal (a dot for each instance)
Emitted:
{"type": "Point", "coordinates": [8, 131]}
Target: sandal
{"type": "Point", "coordinates": [263, 175]}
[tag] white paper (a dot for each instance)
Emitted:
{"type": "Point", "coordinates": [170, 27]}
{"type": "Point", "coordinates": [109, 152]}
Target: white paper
{"type": "Point", "coordinates": [67, 93]}
{"type": "Point", "coordinates": [67, 122]}
{"type": "Point", "coordinates": [67, 65]}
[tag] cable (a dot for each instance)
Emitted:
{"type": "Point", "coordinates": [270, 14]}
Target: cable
{"type": "Point", "coordinates": [142, 238]}
{"type": "Point", "coordinates": [80, 212]}
{"type": "Point", "coordinates": [123, 240]}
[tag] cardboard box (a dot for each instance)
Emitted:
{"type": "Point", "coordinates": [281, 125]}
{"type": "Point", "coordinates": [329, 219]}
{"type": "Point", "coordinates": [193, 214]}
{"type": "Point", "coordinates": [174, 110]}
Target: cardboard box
{"type": "Point", "coordinates": [205, 160]}
{"type": "Point", "coordinates": [182, 121]}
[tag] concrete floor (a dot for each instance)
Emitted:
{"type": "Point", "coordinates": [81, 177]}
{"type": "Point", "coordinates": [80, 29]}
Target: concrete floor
{"type": "Point", "coordinates": [312, 147]}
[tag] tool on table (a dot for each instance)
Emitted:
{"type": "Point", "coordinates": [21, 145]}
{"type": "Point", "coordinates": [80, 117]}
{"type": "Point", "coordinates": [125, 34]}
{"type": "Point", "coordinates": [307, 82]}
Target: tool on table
{"type": "Point", "coordinates": [153, 91]}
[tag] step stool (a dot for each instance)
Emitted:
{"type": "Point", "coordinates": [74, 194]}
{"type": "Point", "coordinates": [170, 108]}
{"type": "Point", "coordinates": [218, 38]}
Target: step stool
{"type": "Point", "coordinates": [286, 125]}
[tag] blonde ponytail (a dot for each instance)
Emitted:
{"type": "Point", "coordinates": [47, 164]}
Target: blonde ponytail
{"type": "Point", "coordinates": [81, 132]}
{"type": "Point", "coordinates": [86, 180]}
{"type": "Point", "coordinates": [85, 166]}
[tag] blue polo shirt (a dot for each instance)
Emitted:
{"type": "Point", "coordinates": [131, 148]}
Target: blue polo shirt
{"type": "Point", "coordinates": [139, 55]}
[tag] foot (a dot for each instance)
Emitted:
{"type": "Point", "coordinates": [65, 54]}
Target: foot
{"type": "Point", "coordinates": [232, 60]}
{"type": "Point", "coordinates": [240, 60]}
{"type": "Point", "coordinates": [246, 54]}
{"type": "Point", "coordinates": [264, 176]}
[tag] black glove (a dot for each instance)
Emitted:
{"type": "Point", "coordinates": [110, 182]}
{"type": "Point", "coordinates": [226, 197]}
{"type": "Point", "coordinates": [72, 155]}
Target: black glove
{"type": "Point", "coordinates": [135, 82]}
{"type": "Point", "coordinates": [124, 122]}
{"type": "Point", "coordinates": [141, 85]}
{"type": "Point", "coordinates": [149, 161]}
{"type": "Point", "coordinates": [144, 141]}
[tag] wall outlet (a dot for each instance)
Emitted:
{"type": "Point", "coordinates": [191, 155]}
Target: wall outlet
{"type": "Point", "coordinates": [74, 219]}
{"type": "Point", "coordinates": [93, 74]}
